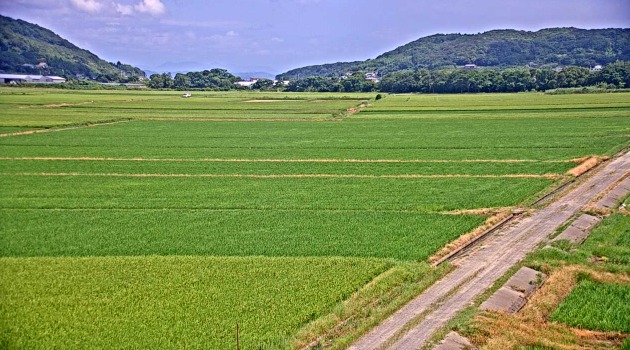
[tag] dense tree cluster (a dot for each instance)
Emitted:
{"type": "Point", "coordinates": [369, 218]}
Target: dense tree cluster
{"type": "Point", "coordinates": [459, 80]}
{"type": "Point", "coordinates": [354, 83]}
{"type": "Point", "coordinates": [214, 79]}
{"type": "Point", "coordinates": [506, 80]}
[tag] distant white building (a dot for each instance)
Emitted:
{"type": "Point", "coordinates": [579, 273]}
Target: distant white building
{"type": "Point", "coordinates": [470, 66]}
{"type": "Point", "coordinates": [597, 68]}
{"type": "Point", "coordinates": [25, 78]}
{"type": "Point", "coordinates": [246, 83]}
{"type": "Point", "coordinates": [372, 76]}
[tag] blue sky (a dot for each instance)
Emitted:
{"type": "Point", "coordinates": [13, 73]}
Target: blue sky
{"type": "Point", "coordinates": [278, 35]}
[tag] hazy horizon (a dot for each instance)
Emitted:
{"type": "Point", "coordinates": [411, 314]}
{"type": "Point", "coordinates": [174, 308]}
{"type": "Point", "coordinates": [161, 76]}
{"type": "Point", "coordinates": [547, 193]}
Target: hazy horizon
{"type": "Point", "coordinates": [278, 35]}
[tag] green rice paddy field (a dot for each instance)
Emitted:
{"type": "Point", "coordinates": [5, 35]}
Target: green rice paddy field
{"type": "Point", "coordinates": [139, 219]}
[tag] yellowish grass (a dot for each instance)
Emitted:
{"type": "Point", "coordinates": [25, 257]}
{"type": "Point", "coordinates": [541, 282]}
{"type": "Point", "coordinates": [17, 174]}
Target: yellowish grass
{"type": "Point", "coordinates": [530, 326]}
{"type": "Point", "coordinates": [585, 166]}
{"type": "Point", "coordinates": [498, 214]}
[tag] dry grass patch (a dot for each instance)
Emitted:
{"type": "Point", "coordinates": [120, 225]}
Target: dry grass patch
{"type": "Point", "coordinates": [498, 214]}
{"type": "Point", "coordinates": [531, 325]}
{"type": "Point", "coordinates": [586, 165]}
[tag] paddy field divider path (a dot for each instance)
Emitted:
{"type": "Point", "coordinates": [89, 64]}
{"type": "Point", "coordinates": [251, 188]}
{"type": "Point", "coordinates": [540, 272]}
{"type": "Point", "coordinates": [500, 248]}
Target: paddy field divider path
{"type": "Point", "coordinates": [72, 127]}
{"type": "Point", "coordinates": [413, 325]}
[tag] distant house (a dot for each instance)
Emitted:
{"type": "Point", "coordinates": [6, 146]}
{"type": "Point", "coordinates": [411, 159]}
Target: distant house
{"type": "Point", "coordinates": [346, 75]}
{"type": "Point", "coordinates": [247, 83]}
{"type": "Point", "coordinates": [372, 76]}
{"type": "Point", "coordinates": [22, 78]}
{"type": "Point", "coordinates": [42, 65]}
{"type": "Point", "coordinates": [597, 68]}
{"type": "Point", "coordinates": [470, 66]}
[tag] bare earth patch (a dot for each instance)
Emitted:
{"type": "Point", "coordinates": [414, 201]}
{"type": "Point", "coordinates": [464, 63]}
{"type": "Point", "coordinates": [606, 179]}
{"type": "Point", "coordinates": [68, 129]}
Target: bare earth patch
{"type": "Point", "coordinates": [306, 119]}
{"type": "Point", "coordinates": [57, 105]}
{"type": "Point", "coordinates": [269, 101]}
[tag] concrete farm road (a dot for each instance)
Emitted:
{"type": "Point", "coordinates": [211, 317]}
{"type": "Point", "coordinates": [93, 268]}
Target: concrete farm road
{"type": "Point", "coordinates": [412, 326]}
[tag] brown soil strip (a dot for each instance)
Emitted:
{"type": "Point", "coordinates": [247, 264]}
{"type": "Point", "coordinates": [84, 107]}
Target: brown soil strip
{"type": "Point", "coordinates": [273, 160]}
{"type": "Point", "coordinates": [39, 131]}
{"type": "Point", "coordinates": [189, 119]}
{"type": "Point", "coordinates": [482, 211]}
{"type": "Point", "coordinates": [290, 176]}
{"type": "Point", "coordinates": [68, 104]}
{"type": "Point", "coordinates": [354, 110]}
{"type": "Point", "coordinates": [269, 101]}
{"type": "Point", "coordinates": [579, 160]}
{"type": "Point", "coordinates": [56, 105]}
{"type": "Point", "coordinates": [585, 166]}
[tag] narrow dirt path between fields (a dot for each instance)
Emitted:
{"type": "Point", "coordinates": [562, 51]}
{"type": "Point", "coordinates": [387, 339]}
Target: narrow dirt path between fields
{"type": "Point", "coordinates": [300, 176]}
{"type": "Point", "coordinates": [288, 160]}
{"type": "Point", "coordinates": [410, 327]}
{"type": "Point", "coordinates": [248, 120]}
{"type": "Point", "coordinates": [39, 131]}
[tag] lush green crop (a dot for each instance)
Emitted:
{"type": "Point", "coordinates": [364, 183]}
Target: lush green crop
{"type": "Point", "coordinates": [435, 138]}
{"type": "Point", "coordinates": [156, 302]}
{"type": "Point", "coordinates": [32, 108]}
{"type": "Point", "coordinates": [222, 177]}
{"type": "Point", "coordinates": [237, 232]}
{"type": "Point", "coordinates": [596, 306]}
{"type": "Point", "coordinates": [279, 167]}
{"type": "Point", "coordinates": [127, 192]}
{"type": "Point", "coordinates": [611, 239]}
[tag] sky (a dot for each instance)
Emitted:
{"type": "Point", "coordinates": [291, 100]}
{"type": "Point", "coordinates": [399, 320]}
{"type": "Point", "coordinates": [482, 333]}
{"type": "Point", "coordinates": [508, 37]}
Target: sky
{"type": "Point", "coordinates": [278, 35]}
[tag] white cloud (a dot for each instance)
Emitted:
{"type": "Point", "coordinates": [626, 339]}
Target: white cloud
{"type": "Point", "coordinates": [231, 33]}
{"type": "Point", "coordinates": [152, 7]}
{"type": "Point", "coordinates": [91, 6]}
{"type": "Point", "coordinates": [275, 39]}
{"type": "Point", "coordinates": [125, 10]}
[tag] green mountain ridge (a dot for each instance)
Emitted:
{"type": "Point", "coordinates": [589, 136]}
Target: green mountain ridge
{"type": "Point", "coordinates": [495, 49]}
{"type": "Point", "coordinates": [24, 45]}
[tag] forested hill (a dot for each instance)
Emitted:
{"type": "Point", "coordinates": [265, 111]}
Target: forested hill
{"type": "Point", "coordinates": [24, 45]}
{"type": "Point", "coordinates": [495, 49]}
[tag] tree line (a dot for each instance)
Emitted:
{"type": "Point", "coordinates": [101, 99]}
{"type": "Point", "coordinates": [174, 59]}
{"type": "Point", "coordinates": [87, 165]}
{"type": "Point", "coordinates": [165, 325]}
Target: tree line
{"type": "Point", "coordinates": [614, 75]}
